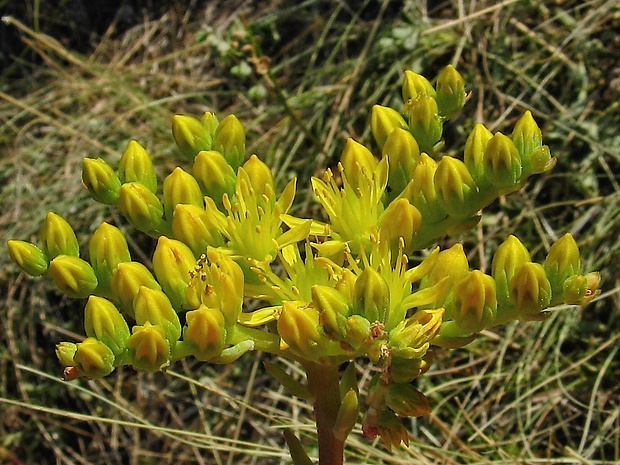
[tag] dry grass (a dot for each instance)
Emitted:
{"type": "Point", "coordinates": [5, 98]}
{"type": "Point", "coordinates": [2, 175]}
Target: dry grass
{"type": "Point", "coordinates": [526, 393]}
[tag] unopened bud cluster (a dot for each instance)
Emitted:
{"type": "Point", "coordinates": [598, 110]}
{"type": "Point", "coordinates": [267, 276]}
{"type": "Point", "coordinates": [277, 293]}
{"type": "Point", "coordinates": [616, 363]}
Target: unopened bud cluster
{"type": "Point", "coordinates": [335, 291]}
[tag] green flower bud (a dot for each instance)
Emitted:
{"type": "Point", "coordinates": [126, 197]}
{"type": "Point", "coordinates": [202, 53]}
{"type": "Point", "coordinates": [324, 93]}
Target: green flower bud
{"type": "Point", "coordinates": [140, 206]}
{"type": "Point", "coordinates": [73, 276]}
{"type": "Point", "coordinates": [260, 176]}
{"type": "Point", "coordinates": [399, 220]}
{"type": "Point", "coordinates": [65, 351]}
{"type": "Point", "coordinates": [204, 332]}
{"type": "Point", "coordinates": [190, 135]}
{"type": "Point", "coordinates": [383, 121]}
{"type": "Point", "coordinates": [180, 187]}
{"type": "Point", "coordinates": [153, 306]}
{"type": "Point", "coordinates": [581, 290]}
{"type": "Point", "coordinates": [527, 138]}
{"type": "Point", "coordinates": [58, 237]}
{"type": "Point", "coordinates": [540, 161]}
{"type": "Point", "coordinates": [450, 91]}
{"type": "Point", "coordinates": [530, 291]}
{"type": "Point", "coordinates": [371, 295]}
{"type": "Point", "coordinates": [391, 429]}
{"type": "Point", "coordinates": [127, 279]}
{"type": "Point", "coordinates": [358, 163]}
{"type": "Point", "coordinates": [415, 85]}
{"type": "Point", "coordinates": [502, 163]}
{"type": "Point", "coordinates": [94, 358]}
{"type": "Point", "coordinates": [406, 401]}
{"type": "Point", "coordinates": [209, 122]}
{"type": "Point", "coordinates": [425, 122]}
{"type": "Point", "coordinates": [194, 226]}
{"type": "Point", "coordinates": [475, 147]}
{"type": "Point", "coordinates": [563, 261]}
{"type": "Point", "coordinates": [214, 175]}
{"type": "Point", "coordinates": [229, 140]}
{"type": "Point", "coordinates": [403, 370]}
{"type": "Point", "coordinates": [475, 305]}
{"type": "Point", "coordinates": [172, 262]}
{"type": "Point", "coordinates": [347, 415]}
{"type": "Point", "coordinates": [28, 257]}
{"type": "Point", "coordinates": [451, 263]}
{"type": "Point", "coordinates": [149, 348]}
{"type": "Point", "coordinates": [332, 304]}
{"type": "Point", "coordinates": [298, 326]}
{"type": "Point", "coordinates": [107, 248]}
{"type": "Point", "coordinates": [402, 152]}
{"type": "Point", "coordinates": [103, 321]}
{"type": "Point", "coordinates": [421, 190]}
{"type": "Point", "coordinates": [136, 165]}
{"type": "Point", "coordinates": [456, 188]}
{"type": "Point", "coordinates": [100, 180]}
{"type": "Point", "coordinates": [509, 256]}
{"type": "Point", "coordinates": [411, 337]}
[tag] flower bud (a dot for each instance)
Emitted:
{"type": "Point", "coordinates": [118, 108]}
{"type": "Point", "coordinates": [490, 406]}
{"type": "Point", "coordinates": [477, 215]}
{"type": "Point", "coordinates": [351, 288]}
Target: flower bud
{"type": "Point", "coordinates": [563, 261]}
{"type": "Point", "coordinates": [260, 176]}
{"type": "Point", "coordinates": [455, 187]}
{"type": "Point", "coordinates": [383, 121]}
{"type": "Point", "coordinates": [140, 206]}
{"type": "Point", "coordinates": [527, 137]}
{"type": "Point", "coordinates": [399, 220]}
{"type": "Point", "coordinates": [411, 337]}
{"type": "Point", "coordinates": [103, 321]}
{"type": "Point", "coordinates": [209, 122]}
{"type": "Point", "coordinates": [190, 135]}
{"type": "Point", "coordinates": [451, 263]}
{"type": "Point", "coordinates": [180, 187]}
{"type": "Point", "coordinates": [530, 291]}
{"type": "Point", "coordinates": [581, 290]}
{"type": "Point", "coordinates": [391, 430]}
{"type": "Point", "coordinates": [127, 279]}
{"type": "Point", "coordinates": [540, 161]}
{"type": "Point", "coordinates": [107, 248]}
{"type": "Point", "coordinates": [403, 370]}
{"type": "Point", "coordinates": [153, 306]}
{"type": "Point", "coordinates": [73, 276]}
{"type": "Point", "coordinates": [421, 190]}
{"type": "Point", "coordinates": [371, 295]}
{"type": "Point", "coordinates": [194, 226]}
{"type": "Point", "coordinates": [415, 85]}
{"type": "Point", "coordinates": [28, 257]}
{"type": "Point", "coordinates": [347, 415]}
{"type": "Point", "coordinates": [509, 256]}
{"type": "Point", "coordinates": [425, 122]}
{"type": "Point", "coordinates": [229, 140]}
{"type": "Point", "coordinates": [65, 351]}
{"type": "Point", "coordinates": [94, 358]}
{"type": "Point", "coordinates": [172, 262]}
{"type": "Point", "coordinates": [58, 237]}
{"type": "Point", "coordinates": [475, 305]}
{"type": "Point", "coordinates": [450, 91]}
{"type": "Point", "coordinates": [214, 175]}
{"type": "Point", "coordinates": [358, 163]}
{"type": "Point", "coordinates": [100, 180]}
{"type": "Point", "coordinates": [149, 348]}
{"type": "Point", "coordinates": [475, 147]}
{"type": "Point", "coordinates": [402, 152]}
{"type": "Point", "coordinates": [298, 327]}
{"type": "Point", "coordinates": [502, 163]}
{"type": "Point", "coordinates": [406, 401]}
{"type": "Point", "coordinates": [333, 308]}
{"type": "Point", "coordinates": [136, 165]}
{"type": "Point", "coordinates": [204, 332]}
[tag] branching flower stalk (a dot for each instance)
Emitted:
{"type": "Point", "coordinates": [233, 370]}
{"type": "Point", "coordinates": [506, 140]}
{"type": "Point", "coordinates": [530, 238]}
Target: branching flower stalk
{"type": "Point", "coordinates": [334, 292]}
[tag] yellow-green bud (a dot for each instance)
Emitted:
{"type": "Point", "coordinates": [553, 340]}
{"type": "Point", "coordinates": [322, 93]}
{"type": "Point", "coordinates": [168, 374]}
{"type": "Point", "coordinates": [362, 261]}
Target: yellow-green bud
{"type": "Point", "coordinates": [450, 91]}
{"type": "Point", "coordinates": [411, 337]}
{"type": "Point", "coordinates": [530, 291]}
{"type": "Point", "coordinates": [260, 176]}
{"type": "Point", "coordinates": [298, 326]}
{"type": "Point", "coordinates": [581, 290]}
{"type": "Point", "coordinates": [563, 261]}
{"type": "Point", "coordinates": [100, 180]}
{"type": "Point", "coordinates": [194, 226]}
{"type": "Point", "coordinates": [180, 187]}
{"type": "Point", "coordinates": [127, 279]}
{"type": "Point", "coordinates": [172, 262]}
{"type": "Point", "coordinates": [502, 163]}
{"type": "Point", "coordinates": [403, 370]}
{"type": "Point", "coordinates": [391, 429]}
{"type": "Point", "coordinates": [475, 304]}
{"type": "Point", "coordinates": [153, 306]}
{"type": "Point", "coordinates": [451, 263]}
{"type": "Point", "coordinates": [475, 147]}
{"type": "Point", "coordinates": [371, 296]}
{"type": "Point", "coordinates": [28, 257]}
{"type": "Point", "coordinates": [149, 348]}
{"type": "Point", "coordinates": [383, 121]}
{"type": "Point", "coordinates": [103, 321]}
{"type": "Point", "coordinates": [57, 237]}
{"type": "Point", "coordinates": [400, 219]}
{"type": "Point", "coordinates": [65, 351]}
{"type": "Point", "coordinates": [107, 248]}
{"type": "Point", "coordinates": [140, 206]}
{"type": "Point", "coordinates": [214, 175]}
{"type": "Point", "coordinates": [455, 187]}
{"type": "Point", "coordinates": [93, 358]}
{"type": "Point", "coordinates": [358, 163]}
{"type": "Point", "coordinates": [190, 135]}
{"type": "Point", "coordinates": [425, 122]}
{"type": "Point", "coordinates": [73, 276]}
{"type": "Point", "coordinates": [406, 401]}
{"type": "Point", "coordinates": [402, 152]}
{"type": "Point", "coordinates": [136, 165]}
{"type": "Point", "coordinates": [421, 190]}
{"type": "Point", "coordinates": [415, 85]}
{"type": "Point", "coordinates": [229, 140]}
{"type": "Point", "coordinates": [204, 332]}
{"type": "Point", "coordinates": [209, 122]}
{"type": "Point", "coordinates": [509, 256]}
{"type": "Point", "coordinates": [527, 137]}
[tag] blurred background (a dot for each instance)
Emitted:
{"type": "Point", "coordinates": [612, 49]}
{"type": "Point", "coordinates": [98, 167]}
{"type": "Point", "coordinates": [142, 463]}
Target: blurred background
{"type": "Point", "coordinates": [82, 78]}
